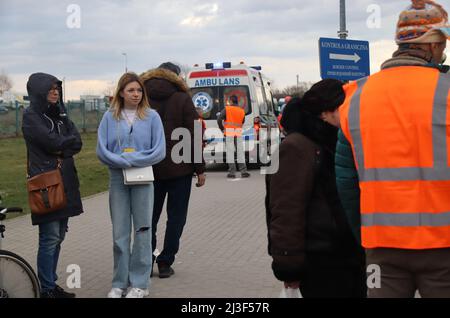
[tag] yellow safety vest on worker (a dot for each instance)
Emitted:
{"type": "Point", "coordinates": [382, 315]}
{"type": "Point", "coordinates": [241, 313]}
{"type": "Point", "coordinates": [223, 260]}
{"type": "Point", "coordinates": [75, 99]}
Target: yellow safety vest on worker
{"type": "Point", "coordinates": [398, 124]}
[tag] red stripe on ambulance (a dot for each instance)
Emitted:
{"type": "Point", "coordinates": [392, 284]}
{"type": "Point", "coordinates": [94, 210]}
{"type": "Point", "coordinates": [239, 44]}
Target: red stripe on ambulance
{"type": "Point", "coordinates": [217, 73]}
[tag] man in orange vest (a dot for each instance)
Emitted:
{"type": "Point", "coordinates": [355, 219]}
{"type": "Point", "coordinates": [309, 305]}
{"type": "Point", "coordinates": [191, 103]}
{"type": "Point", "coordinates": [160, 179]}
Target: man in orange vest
{"type": "Point", "coordinates": [397, 124]}
{"type": "Point", "coordinates": [230, 121]}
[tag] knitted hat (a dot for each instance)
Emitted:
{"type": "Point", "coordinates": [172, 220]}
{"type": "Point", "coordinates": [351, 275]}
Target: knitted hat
{"type": "Point", "coordinates": [171, 67]}
{"type": "Point", "coordinates": [424, 21]}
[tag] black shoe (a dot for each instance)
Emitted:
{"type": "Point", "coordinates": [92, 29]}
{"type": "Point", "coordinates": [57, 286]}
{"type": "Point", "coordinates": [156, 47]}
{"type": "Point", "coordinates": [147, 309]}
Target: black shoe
{"type": "Point", "coordinates": [245, 175]}
{"type": "Point", "coordinates": [165, 271]}
{"type": "Point", "coordinates": [231, 176]}
{"type": "Point", "coordinates": [61, 293]}
{"type": "Point", "coordinates": [48, 294]}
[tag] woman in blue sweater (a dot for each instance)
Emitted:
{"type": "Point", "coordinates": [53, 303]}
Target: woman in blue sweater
{"type": "Point", "coordinates": [130, 135]}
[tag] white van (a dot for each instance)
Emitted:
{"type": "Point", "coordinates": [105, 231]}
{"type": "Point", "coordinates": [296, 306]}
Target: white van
{"type": "Point", "coordinates": [211, 88]}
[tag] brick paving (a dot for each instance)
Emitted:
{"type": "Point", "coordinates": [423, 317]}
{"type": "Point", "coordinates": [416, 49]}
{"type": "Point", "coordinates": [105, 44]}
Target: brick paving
{"type": "Point", "coordinates": [223, 251]}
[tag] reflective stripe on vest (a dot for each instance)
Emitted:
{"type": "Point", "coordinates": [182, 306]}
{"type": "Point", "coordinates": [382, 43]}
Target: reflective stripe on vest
{"type": "Point", "coordinates": [406, 219]}
{"type": "Point", "coordinates": [439, 171]}
{"type": "Point", "coordinates": [233, 121]}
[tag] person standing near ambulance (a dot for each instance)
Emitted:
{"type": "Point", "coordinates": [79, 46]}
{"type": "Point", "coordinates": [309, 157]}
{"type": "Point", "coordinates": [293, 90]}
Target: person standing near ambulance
{"type": "Point", "coordinates": [397, 125]}
{"type": "Point", "coordinates": [169, 96]}
{"type": "Point", "coordinates": [230, 121]}
{"type": "Point", "coordinates": [52, 140]}
{"type": "Point", "coordinates": [130, 135]}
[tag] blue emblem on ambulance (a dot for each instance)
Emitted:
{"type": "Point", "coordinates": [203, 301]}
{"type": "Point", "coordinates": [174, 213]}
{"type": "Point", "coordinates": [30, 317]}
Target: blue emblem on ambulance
{"type": "Point", "coordinates": [204, 101]}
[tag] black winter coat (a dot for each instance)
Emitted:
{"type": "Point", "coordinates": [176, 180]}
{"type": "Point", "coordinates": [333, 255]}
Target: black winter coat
{"type": "Point", "coordinates": [307, 229]}
{"type": "Point", "coordinates": [169, 96]}
{"type": "Point", "coordinates": [50, 135]}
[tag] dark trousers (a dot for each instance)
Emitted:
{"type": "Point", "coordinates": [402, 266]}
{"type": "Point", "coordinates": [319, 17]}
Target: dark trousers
{"type": "Point", "coordinates": [178, 192]}
{"type": "Point", "coordinates": [346, 282]}
{"type": "Point", "coordinates": [403, 272]}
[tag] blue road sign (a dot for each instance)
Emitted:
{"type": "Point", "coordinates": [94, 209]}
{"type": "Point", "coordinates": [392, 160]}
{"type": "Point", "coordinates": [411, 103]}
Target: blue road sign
{"type": "Point", "coordinates": [345, 60]}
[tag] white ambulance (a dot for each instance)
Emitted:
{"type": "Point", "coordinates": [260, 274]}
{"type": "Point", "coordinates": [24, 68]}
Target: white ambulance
{"type": "Point", "coordinates": [211, 88]}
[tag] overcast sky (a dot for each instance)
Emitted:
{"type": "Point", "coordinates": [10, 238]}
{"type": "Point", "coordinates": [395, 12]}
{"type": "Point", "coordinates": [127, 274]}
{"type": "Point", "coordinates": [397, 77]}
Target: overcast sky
{"type": "Point", "coordinates": [281, 36]}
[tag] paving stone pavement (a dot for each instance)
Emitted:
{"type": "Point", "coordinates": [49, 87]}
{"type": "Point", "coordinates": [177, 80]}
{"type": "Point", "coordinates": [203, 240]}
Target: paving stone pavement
{"type": "Point", "coordinates": [223, 251]}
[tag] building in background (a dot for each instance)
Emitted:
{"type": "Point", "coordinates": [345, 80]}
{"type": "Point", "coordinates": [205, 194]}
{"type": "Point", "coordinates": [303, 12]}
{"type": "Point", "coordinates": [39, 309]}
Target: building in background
{"type": "Point", "coordinates": [93, 102]}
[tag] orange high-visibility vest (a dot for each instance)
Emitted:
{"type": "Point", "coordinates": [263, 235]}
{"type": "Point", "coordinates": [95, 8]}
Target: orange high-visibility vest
{"type": "Point", "coordinates": [233, 122]}
{"type": "Point", "coordinates": [398, 124]}
{"type": "Point", "coordinates": [279, 120]}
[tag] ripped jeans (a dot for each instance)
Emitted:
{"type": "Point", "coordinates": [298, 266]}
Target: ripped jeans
{"type": "Point", "coordinates": [131, 204]}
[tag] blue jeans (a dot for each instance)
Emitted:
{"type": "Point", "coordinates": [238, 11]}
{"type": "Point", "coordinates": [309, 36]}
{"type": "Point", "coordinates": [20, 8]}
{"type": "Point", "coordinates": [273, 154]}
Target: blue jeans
{"type": "Point", "coordinates": [131, 205]}
{"type": "Point", "coordinates": [51, 235]}
{"type": "Point", "coordinates": [178, 192]}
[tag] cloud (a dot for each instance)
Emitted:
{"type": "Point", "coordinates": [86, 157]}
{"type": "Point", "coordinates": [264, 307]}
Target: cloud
{"type": "Point", "coordinates": [202, 16]}
{"type": "Point", "coordinates": [280, 35]}
{"type": "Point", "coordinates": [381, 51]}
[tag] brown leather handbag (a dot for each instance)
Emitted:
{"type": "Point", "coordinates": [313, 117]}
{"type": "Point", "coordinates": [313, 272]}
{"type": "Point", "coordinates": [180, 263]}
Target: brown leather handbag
{"type": "Point", "coordinates": [46, 192]}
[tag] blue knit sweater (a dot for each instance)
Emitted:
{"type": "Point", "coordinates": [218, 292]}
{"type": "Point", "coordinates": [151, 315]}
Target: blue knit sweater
{"type": "Point", "coordinates": [146, 137]}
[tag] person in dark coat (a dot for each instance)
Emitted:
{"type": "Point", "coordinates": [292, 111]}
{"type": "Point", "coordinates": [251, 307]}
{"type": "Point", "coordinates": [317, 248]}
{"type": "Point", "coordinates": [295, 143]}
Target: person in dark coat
{"type": "Point", "coordinates": [169, 95]}
{"type": "Point", "coordinates": [50, 135]}
{"type": "Point", "coordinates": [310, 240]}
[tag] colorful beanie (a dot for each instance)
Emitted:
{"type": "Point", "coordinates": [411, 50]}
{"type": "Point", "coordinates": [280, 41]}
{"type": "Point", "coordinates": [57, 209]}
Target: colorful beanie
{"type": "Point", "coordinates": [424, 21]}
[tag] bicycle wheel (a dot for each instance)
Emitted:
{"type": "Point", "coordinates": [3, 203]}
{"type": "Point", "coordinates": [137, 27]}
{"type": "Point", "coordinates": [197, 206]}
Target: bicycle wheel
{"type": "Point", "coordinates": [17, 277]}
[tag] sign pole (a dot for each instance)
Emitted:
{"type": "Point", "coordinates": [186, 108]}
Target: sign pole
{"type": "Point", "coordinates": [343, 33]}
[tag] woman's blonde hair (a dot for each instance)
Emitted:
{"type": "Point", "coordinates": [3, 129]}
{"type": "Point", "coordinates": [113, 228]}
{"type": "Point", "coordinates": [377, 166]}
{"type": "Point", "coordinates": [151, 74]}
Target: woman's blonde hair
{"type": "Point", "coordinates": [117, 103]}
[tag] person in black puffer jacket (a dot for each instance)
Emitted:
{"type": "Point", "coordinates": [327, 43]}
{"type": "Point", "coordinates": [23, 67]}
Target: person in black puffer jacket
{"type": "Point", "coordinates": [310, 240]}
{"type": "Point", "coordinates": [49, 136]}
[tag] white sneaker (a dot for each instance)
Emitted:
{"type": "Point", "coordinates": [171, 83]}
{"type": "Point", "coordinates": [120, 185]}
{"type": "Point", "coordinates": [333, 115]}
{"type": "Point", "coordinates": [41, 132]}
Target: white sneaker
{"type": "Point", "coordinates": [116, 293]}
{"type": "Point", "coordinates": [137, 293]}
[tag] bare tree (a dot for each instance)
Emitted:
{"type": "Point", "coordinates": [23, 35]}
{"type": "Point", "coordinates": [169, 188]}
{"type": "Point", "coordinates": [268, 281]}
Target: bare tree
{"type": "Point", "coordinates": [5, 82]}
{"type": "Point", "coordinates": [294, 90]}
{"type": "Point", "coordinates": [297, 91]}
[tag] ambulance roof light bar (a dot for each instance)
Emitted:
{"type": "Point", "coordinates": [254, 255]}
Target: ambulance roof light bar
{"type": "Point", "coordinates": [217, 66]}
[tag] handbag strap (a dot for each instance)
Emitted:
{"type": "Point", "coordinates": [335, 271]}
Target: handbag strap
{"type": "Point", "coordinates": [118, 137]}
{"type": "Point", "coordinates": [28, 164]}
{"type": "Point", "coordinates": [58, 164]}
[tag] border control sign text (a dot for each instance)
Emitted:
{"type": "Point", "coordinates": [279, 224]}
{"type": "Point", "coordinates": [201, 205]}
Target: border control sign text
{"type": "Point", "coordinates": [344, 60]}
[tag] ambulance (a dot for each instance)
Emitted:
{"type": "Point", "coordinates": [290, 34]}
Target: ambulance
{"type": "Point", "coordinates": [212, 85]}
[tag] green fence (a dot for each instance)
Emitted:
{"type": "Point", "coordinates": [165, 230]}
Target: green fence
{"type": "Point", "coordinates": [85, 115]}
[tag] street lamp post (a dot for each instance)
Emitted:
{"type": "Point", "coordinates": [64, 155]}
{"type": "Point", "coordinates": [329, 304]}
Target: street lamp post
{"type": "Point", "coordinates": [126, 69]}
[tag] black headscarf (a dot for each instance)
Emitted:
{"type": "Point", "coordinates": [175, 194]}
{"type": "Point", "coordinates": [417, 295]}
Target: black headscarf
{"type": "Point", "coordinates": [303, 114]}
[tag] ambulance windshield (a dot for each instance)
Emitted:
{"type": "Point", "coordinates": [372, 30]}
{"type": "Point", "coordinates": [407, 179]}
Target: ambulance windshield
{"type": "Point", "coordinates": [212, 100]}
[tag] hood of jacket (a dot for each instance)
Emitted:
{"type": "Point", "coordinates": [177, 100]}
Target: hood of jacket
{"type": "Point", "coordinates": [161, 84]}
{"type": "Point", "coordinates": [38, 86]}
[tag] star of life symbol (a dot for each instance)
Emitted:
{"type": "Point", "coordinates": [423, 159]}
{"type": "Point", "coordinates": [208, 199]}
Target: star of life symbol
{"type": "Point", "coordinates": [203, 100]}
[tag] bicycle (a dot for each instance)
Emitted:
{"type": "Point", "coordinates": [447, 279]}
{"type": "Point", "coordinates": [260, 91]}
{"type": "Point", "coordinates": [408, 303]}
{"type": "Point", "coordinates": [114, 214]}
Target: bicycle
{"type": "Point", "coordinates": [17, 277]}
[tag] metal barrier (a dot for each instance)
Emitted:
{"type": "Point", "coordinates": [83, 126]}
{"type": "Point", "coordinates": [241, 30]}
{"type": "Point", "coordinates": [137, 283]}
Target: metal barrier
{"type": "Point", "coordinates": [85, 115]}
